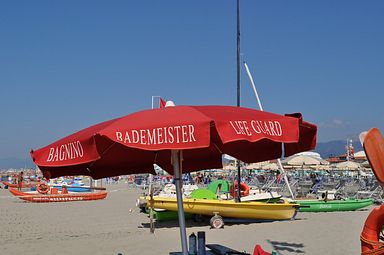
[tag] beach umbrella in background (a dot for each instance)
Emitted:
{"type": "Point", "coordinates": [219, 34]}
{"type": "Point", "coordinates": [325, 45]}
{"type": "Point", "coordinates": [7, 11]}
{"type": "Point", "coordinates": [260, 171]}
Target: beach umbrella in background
{"type": "Point", "coordinates": [178, 139]}
{"type": "Point", "coordinates": [321, 167]}
{"type": "Point", "coordinates": [347, 166]}
{"type": "Point", "coordinates": [360, 155]}
{"type": "Point", "coordinates": [304, 160]}
{"type": "Point", "coordinates": [270, 166]}
{"type": "Point", "coordinates": [230, 167]}
{"type": "Point", "coordinates": [366, 164]}
{"type": "Point", "coordinates": [256, 166]}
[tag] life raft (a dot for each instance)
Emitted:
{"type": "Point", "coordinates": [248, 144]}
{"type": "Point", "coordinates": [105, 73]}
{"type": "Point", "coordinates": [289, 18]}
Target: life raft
{"type": "Point", "coordinates": [42, 188]}
{"type": "Point", "coordinates": [244, 189]}
{"type": "Point", "coordinates": [370, 236]}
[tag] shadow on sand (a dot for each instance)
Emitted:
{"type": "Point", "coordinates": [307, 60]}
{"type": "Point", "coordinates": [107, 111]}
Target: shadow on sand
{"type": "Point", "coordinates": [296, 248]}
{"type": "Point", "coordinates": [203, 222]}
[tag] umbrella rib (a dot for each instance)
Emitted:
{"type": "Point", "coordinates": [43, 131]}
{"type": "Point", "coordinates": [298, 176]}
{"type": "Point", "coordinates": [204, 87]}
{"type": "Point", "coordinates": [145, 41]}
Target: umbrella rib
{"type": "Point", "coordinates": [217, 148]}
{"type": "Point", "coordinates": [106, 150]}
{"type": "Point", "coordinates": [102, 154]}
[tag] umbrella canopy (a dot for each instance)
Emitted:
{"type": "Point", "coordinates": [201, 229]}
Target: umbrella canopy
{"type": "Point", "coordinates": [255, 166]}
{"type": "Point", "coordinates": [270, 166]}
{"type": "Point", "coordinates": [347, 165]}
{"type": "Point", "coordinates": [133, 143]}
{"type": "Point", "coordinates": [230, 167]}
{"type": "Point", "coordinates": [360, 155]}
{"type": "Point", "coordinates": [321, 167]}
{"type": "Point", "coordinates": [300, 160]}
{"type": "Point", "coordinates": [366, 164]}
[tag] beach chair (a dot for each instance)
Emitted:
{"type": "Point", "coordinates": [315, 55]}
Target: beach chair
{"type": "Point", "coordinates": [304, 188]}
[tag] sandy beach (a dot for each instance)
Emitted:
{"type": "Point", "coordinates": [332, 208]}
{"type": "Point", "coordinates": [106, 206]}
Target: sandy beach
{"type": "Point", "coordinates": [115, 225]}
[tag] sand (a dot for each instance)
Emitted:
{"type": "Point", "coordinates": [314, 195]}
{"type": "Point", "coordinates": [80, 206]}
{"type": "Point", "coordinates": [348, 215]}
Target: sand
{"type": "Point", "coordinates": [114, 225]}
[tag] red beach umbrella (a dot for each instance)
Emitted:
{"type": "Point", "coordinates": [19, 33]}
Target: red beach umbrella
{"type": "Point", "coordinates": [192, 136]}
{"type": "Point", "coordinates": [133, 143]}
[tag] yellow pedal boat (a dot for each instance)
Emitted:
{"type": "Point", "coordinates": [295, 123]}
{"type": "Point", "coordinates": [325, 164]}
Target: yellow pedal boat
{"type": "Point", "coordinates": [228, 208]}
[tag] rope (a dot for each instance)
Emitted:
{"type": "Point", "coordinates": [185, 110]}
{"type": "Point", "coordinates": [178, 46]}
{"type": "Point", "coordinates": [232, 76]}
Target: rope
{"type": "Point", "coordinates": [377, 251]}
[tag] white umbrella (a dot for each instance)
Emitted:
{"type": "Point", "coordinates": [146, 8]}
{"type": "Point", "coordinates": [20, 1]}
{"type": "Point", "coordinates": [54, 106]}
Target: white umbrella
{"type": "Point", "coordinates": [366, 164]}
{"type": "Point", "coordinates": [301, 160]}
{"type": "Point", "coordinates": [230, 167]}
{"type": "Point", "coordinates": [347, 165]}
{"type": "Point", "coordinates": [270, 166]}
{"type": "Point", "coordinates": [255, 166]}
{"type": "Point", "coordinates": [321, 167]}
{"type": "Point", "coordinates": [360, 155]}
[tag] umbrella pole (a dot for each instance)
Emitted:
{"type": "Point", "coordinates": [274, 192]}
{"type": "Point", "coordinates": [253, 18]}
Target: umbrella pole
{"type": "Point", "coordinates": [151, 224]}
{"type": "Point", "coordinates": [238, 199]}
{"type": "Point", "coordinates": [179, 195]}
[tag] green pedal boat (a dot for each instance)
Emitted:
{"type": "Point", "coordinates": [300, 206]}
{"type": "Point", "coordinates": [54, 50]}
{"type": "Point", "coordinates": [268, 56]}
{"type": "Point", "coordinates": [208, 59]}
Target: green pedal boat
{"type": "Point", "coordinates": [333, 205]}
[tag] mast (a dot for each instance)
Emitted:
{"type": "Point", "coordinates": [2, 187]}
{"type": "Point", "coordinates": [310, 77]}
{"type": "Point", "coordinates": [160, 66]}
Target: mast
{"type": "Point", "coordinates": [238, 52]}
{"type": "Point", "coordinates": [238, 90]}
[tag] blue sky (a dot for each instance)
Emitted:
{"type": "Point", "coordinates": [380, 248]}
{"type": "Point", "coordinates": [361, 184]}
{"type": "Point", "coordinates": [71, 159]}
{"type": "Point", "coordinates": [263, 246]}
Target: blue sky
{"type": "Point", "coordinates": [65, 65]}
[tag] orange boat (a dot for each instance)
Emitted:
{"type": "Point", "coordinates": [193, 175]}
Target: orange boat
{"type": "Point", "coordinates": [15, 185]}
{"type": "Point", "coordinates": [371, 235]}
{"type": "Point", "coordinates": [36, 197]}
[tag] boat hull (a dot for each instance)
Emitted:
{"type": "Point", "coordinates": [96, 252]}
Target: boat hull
{"type": "Point", "coordinates": [47, 198]}
{"type": "Point", "coordinates": [229, 208]}
{"type": "Point", "coordinates": [73, 188]}
{"type": "Point", "coordinates": [333, 205]}
{"type": "Point", "coordinates": [165, 215]}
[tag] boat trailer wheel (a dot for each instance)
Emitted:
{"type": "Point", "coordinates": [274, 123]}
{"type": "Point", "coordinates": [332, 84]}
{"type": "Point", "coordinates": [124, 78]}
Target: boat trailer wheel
{"type": "Point", "coordinates": [217, 222]}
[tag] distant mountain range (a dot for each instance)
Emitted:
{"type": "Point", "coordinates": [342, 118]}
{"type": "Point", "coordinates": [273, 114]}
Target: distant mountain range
{"type": "Point", "coordinates": [326, 149]}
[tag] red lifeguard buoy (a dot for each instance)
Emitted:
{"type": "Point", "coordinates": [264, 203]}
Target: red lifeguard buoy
{"type": "Point", "coordinates": [42, 188]}
{"type": "Point", "coordinates": [244, 189]}
{"type": "Point", "coordinates": [370, 236]}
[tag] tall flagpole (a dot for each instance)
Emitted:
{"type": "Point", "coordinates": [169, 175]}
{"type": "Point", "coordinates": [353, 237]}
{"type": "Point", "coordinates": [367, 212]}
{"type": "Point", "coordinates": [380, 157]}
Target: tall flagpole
{"type": "Point", "coordinates": [238, 52]}
{"type": "Point", "coordinates": [238, 90]}
{"type": "Point", "coordinates": [153, 99]}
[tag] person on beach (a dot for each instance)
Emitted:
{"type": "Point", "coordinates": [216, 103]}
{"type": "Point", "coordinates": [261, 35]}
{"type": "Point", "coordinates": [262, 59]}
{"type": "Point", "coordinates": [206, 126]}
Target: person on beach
{"type": "Point", "coordinates": [20, 180]}
{"type": "Point", "coordinates": [278, 176]}
{"type": "Point", "coordinates": [315, 182]}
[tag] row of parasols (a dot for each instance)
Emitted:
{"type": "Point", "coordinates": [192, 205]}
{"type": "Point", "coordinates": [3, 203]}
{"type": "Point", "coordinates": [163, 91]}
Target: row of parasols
{"type": "Point", "coordinates": [302, 162]}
